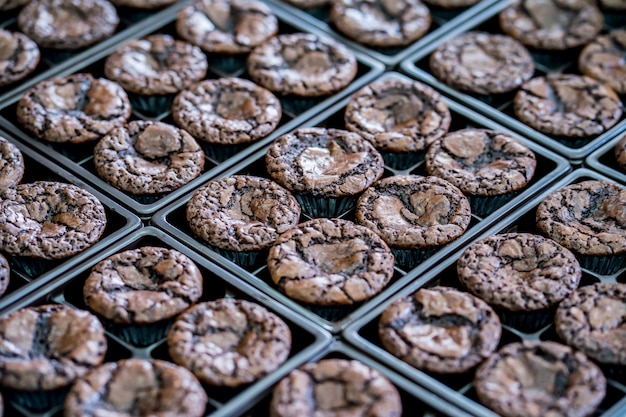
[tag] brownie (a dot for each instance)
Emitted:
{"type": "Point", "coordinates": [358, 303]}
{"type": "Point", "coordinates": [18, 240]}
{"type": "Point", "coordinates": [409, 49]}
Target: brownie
{"type": "Point", "coordinates": [398, 115]}
{"type": "Point", "coordinates": [12, 4]}
{"type": "Point", "coordinates": [146, 157]}
{"type": "Point", "coordinates": [302, 64]}
{"type": "Point", "coordinates": [19, 57]}
{"type": "Point", "coordinates": [49, 220]}
{"type": "Point", "coordinates": [335, 387]}
{"type": "Point", "coordinates": [620, 152]}
{"type": "Point", "coordinates": [552, 24]}
{"type": "Point", "coordinates": [241, 213]}
{"type": "Point", "coordinates": [481, 162]}
{"type": "Point", "coordinates": [592, 320]}
{"type": "Point", "coordinates": [381, 24]}
{"type": "Point", "coordinates": [11, 164]}
{"type": "Point", "coordinates": [143, 4]}
{"type": "Point", "coordinates": [451, 4]}
{"type": "Point", "coordinates": [330, 262]}
{"type": "Point", "coordinates": [68, 24]}
{"type": "Point", "coordinates": [5, 277]}
{"type": "Point", "coordinates": [48, 347]}
{"type": "Point", "coordinates": [227, 111]}
{"type": "Point", "coordinates": [226, 26]}
{"type": "Point", "coordinates": [588, 218]}
{"type": "Point", "coordinates": [158, 64]}
{"type": "Point", "coordinates": [137, 387]}
{"type": "Point", "coordinates": [519, 271]}
{"type": "Point", "coordinates": [143, 285]}
{"type": "Point", "coordinates": [414, 212]}
{"type": "Point", "coordinates": [440, 330]}
{"type": "Point", "coordinates": [73, 109]}
{"type": "Point", "coordinates": [482, 63]}
{"type": "Point", "coordinates": [536, 379]}
{"type": "Point", "coordinates": [567, 105]}
{"type": "Point", "coordinates": [228, 342]}
{"type": "Point", "coordinates": [323, 162]}
{"type": "Point", "coordinates": [603, 60]}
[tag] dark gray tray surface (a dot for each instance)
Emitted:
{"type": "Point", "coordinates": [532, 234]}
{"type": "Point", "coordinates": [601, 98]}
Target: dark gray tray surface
{"type": "Point", "coordinates": [458, 389]}
{"type": "Point", "coordinates": [173, 218]}
{"type": "Point", "coordinates": [603, 160]}
{"type": "Point", "coordinates": [500, 107]}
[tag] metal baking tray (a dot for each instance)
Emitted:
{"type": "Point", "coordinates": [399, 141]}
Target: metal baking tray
{"type": "Point", "coordinates": [500, 107]}
{"type": "Point", "coordinates": [79, 158]}
{"type": "Point", "coordinates": [308, 339]}
{"type": "Point", "coordinates": [458, 389]}
{"type": "Point", "coordinates": [443, 20]}
{"type": "Point", "coordinates": [54, 61]}
{"type": "Point", "coordinates": [603, 160]}
{"type": "Point", "coordinates": [173, 218]}
{"type": "Point", "coordinates": [29, 275]}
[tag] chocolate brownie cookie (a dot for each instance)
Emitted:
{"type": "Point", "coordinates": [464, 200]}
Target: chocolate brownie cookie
{"type": "Point", "coordinates": [592, 320]}
{"type": "Point", "coordinates": [535, 379]}
{"type": "Point", "coordinates": [440, 329]}
{"type": "Point", "coordinates": [414, 212]}
{"type": "Point", "coordinates": [481, 162]}
{"type": "Point", "coordinates": [228, 342]}
{"type": "Point", "coordinates": [620, 152]}
{"type": "Point", "coordinates": [519, 271]}
{"type": "Point", "coordinates": [482, 63]}
{"type": "Point", "coordinates": [398, 115]}
{"type": "Point", "coordinates": [19, 56]}
{"type": "Point", "coordinates": [552, 24]}
{"type": "Point", "coordinates": [302, 64]}
{"type": "Point", "coordinates": [73, 109]}
{"type": "Point", "coordinates": [49, 220]}
{"type": "Point", "coordinates": [68, 24]}
{"type": "Point", "coordinates": [12, 4]}
{"type": "Point", "coordinates": [242, 213]}
{"type": "Point", "coordinates": [334, 387]}
{"type": "Point", "coordinates": [330, 262]}
{"type": "Point", "coordinates": [137, 387]}
{"type": "Point", "coordinates": [11, 164]}
{"type": "Point", "coordinates": [143, 285]}
{"type": "Point", "coordinates": [146, 157]}
{"type": "Point", "coordinates": [157, 64]}
{"type": "Point", "coordinates": [227, 111]}
{"type": "Point", "coordinates": [603, 60]}
{"type": "Point", "coordinates": [567, 105]}
{"type": "Point", "coordinates": [381, 24]}
{"type": "Point", "coordinates": [5, 276]}
{"type": "Point", "coordinates": [48, 347]}
{"type": "Point", "coordinates": [226, 26]}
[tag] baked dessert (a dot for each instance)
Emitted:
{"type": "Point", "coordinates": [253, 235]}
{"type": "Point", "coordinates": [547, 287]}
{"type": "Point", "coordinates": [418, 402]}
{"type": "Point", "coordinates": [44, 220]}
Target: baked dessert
{"type": "Point", "coordinates": [11, 164]}
{"type": "Point", "coordinates": [148, 158]}
{"type": "Point", "coordinates": [226, 26]}
{"type": "Point", "coordinates": [137, 387]}
{"type": "Point", "coordinates": [487, 166]}
{"type": "Point", "coordinates": [325, 168]}
{"type": "Point", "coordinates": [44, 349]}
{"type": "Point", "coordinates": [68, 24]}
{"type": "Point", "coordinates": [302, 64]}
{"type": "Point", "coordinates": [552, 24]}
{"type": "Point", "coordinates": [330, 262]}
{"type": "Point", "coordinates": [620, 152]}
{"type": "Point", "coordinates": [5, 277]}
{"type": "Point", "coordinates": [19, 56]}
{"type": "Point", "coordinates": [534, 379]}
{"type": "Point", "coordinates": [567, 105]}
{"type": "Point", "coordinates": [482, 63]}
{"type": "Point", "coordinates": [335, 387]}
{"type": "Point", "coordinates": [73, 109]}
{"type": "Point", "coordinates": [603, 60]}
{"type": "Point", "coordinates": [588, 218]}
{"type": "Point", "coordinates": [523, 275]}
{"type": "Point", "coordinates": [49, 220]}
{"type": "Point", "coordinates": [381, 24]}
{"type": "Point", "coordinates": [241, 216]}
{"type": "Point", "coordinates": [440, 330]}
{"type": "Point", "coordinates": [399, 117]}
{"type": "Point", "coordinates": [228, 342]}
{"type": "Point", "coordinates": [138, 290]}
